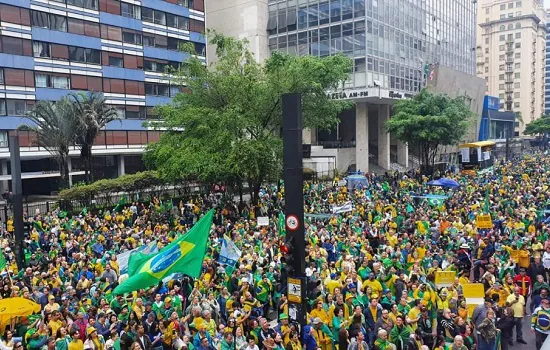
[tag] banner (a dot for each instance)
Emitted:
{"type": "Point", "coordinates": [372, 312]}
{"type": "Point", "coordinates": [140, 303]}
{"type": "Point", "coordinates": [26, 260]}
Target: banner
{"type": "Point", "coordinates": [263, 221]}
{"type": "Point", "coordinates": [465, 153]}
{"type": "Point", "coordinates": [484, 221]}
{"type": "Point", "coordinates": [124, 257]}
{"type": "Point", "coordinates": [229, 254]}
{"type": "Point", "coordinates": [444, 278]}
{"type": "Point", "coordinates": [346, 207]}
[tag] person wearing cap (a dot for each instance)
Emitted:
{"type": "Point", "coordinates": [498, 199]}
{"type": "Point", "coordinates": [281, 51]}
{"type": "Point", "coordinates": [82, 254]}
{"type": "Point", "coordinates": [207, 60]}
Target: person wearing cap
{"type": "Point", "coordinates": [284, 328]}
{"type": "Point", "coordinates": [94, 341]}
{"type": "Point", "coordinates": [322, 334]}
{"type": "Point", "coordinates": [52, 305]}
{"type": "Point", "coordinates": [523, 282]}
{"type": "Point", "coordinates": [540, 323]}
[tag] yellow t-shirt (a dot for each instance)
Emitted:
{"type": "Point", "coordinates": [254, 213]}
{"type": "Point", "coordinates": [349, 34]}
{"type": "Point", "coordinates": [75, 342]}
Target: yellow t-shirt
{"type": "Point", "coordinates": [518, 306]}
{"type": "Point", "coordinates": [76, 345]}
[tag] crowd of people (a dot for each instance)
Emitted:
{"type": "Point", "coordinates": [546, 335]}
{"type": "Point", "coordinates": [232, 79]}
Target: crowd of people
{"type": "Point", "coordinates": [374, 270]}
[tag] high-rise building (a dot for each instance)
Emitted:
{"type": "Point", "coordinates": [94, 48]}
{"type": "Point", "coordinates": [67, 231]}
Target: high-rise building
{"type": "Point", "coordinates": [396, 47]}
{"type": "Point", "coordinates": [49, 49]}
{"type": "Point", "coordinates": [510, 55]}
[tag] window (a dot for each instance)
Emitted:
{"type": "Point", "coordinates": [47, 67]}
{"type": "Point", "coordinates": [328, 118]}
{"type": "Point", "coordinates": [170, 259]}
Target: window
{"type": "Point", "coordinates": [129, 10]}
{"type": "Point", "coordinates": [159, 17]}
{"type": "Point", "coordinates": [516, 104]}
{"type": "Point", "coordinates": [12, 45]}
{"type": "Point", "coordinates": [131, 38]}
{"type": "Point", "coordinates": [517, 66]}
{"type": "Point", "coordinates": [18, 77]}
{"type": "Point", "coordinates": [518, 25]}
{"type": "Point", "coordinates": [41, 49]}
{"type": "Point", "coordinates": [486, 69]}
{"type": "Point", "coordinates": [518, 3]}
{"type": "Point", "coordinates": [487, 11]}
{"type": "Point", "coordinates": [501, 47]}
{"type": "Point", "coordinates": [501, 58]}
{"type": "Point", "coordinates": [58, 23]}
{"type": "Point", "coordinates": [501, 86]}
{"type": "Point", "coordinates": [503, 7]}
{"type": "Point", "coordinates": [502, 37]}
{"type": "Point", "coordinates": [518, 35]}
{"type": "Point", "coordinates": [115, 61]}
{"type": "Point", "coordinates": [89, 4]}
{"type": "Point", "coordinates": [503, 16]}
{"type": "Point", "coordinates": [501, 77]}
{"type": "Point", "coordinates": [16, 107]}
{"type": "Point", "coordinates": [2, 112]}
{"type": "Point", "coordinates": [501, 67]}
{"type": "Point", "coordinates": [39, 19]}
{"type": "Point", "coordinates": [1, 76]}
{"type": "Point", "coordinates": [79, 54]}
{"type": "Point", "coordinates": [157, 90]}
{"type": "Point", "coordinates": [487, 41]}
{"type": "Point", "coordinates": [52, 81]}
{"type": "Point", "coordinates": [516, 75]}
{"type": "Point", "coordinates": [517, 55]}
{"type": "Point", "coordinates": [518, 45]}
{"type": "Point", "coordinates": [516, 94]}
{"type": "Point", "coordinates": [486, 50]}
{"type": "Point", "coordinates": [14, 14]}
{"type": "Point", "coordinates": [49, 21]}
{"type": "Point", "coordinates": [517, 85]}
{"type": "Point", "coordinates": [148, 40]}
{"type": "Point", "coordinates": [510, 5]}
{"type": "Point", "coordinates": [147, 15]}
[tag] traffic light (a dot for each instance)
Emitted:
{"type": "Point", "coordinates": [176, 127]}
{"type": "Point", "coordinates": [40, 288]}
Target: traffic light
{"type": "Point", "coordinates": [313, 289]}
{"type": "Point", "coordinates": [287, 259]}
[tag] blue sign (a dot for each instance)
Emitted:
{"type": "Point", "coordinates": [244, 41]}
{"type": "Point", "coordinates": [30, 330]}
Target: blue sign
{"type": "Point", "coordinates": [491, 102]}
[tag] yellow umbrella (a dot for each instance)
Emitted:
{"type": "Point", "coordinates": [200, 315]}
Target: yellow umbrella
{"type": "Point", "coordinates": [15, 307]}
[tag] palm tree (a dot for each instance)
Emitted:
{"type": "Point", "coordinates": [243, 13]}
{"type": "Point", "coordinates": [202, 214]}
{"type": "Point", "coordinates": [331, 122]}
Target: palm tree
{"type": "Point", "coordinates": [55, 125]}
{"type": "Point", "coordinates": [93, 114]}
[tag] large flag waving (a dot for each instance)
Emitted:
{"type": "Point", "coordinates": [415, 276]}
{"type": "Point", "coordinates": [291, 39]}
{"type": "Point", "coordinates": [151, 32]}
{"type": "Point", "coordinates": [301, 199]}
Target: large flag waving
{"type": "Point", "coordinates": [184, 255]}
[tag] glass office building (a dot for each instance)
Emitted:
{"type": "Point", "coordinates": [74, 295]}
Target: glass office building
{"type": "Point", "coordinates": [392, 42]}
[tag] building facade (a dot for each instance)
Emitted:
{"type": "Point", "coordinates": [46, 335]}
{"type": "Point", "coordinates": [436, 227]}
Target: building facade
{"type": "Point", "coordinates": [511, 55]}
{"type": "Point", "coordinates": [394, 45]}
{"type": "Point", "coordinates": [50, 48]}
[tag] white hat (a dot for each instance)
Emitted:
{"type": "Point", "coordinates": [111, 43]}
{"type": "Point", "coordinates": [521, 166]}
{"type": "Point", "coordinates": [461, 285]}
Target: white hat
{"type": "Point", "coordinates": [464, 246]}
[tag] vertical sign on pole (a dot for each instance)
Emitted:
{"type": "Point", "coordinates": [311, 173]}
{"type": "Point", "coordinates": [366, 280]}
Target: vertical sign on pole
{"type": "Point", "coordinates": [17, 199]}
{"type": "Point", "coordinates": [294, 204]}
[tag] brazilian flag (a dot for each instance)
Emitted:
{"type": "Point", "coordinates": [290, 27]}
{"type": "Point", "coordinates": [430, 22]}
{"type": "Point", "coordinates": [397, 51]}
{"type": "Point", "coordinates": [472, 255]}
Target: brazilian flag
{"type": "Point", "coordinates": [184, 255]}
{"type": "Point", "coordinates": [281, 224]}
{"type": "Point", "coordinates": [435, 202]}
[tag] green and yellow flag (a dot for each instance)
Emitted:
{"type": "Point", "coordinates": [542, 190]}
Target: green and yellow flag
{"type": "Point", "coordinates": [281, 224]}
{"type": "Point", "coordinates": [185, 255]}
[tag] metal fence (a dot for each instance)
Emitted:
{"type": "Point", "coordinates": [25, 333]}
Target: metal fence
{"type": "Point", "coordinates": [31, 208]}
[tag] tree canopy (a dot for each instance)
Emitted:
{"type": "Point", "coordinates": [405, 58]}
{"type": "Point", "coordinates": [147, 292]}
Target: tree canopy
{"type": "Point", "coordinates": [429, 121]}
{"type": "Point", "coordinates": [227, 126]}
{"type": "Point", "coordinates": [540, 127]}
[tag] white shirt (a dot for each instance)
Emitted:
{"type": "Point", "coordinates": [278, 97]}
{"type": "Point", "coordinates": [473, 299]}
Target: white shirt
{"type": "Point", "coordinates": [546, 260]}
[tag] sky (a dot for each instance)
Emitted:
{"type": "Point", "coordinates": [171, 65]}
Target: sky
{"type": "Point", "coordinates": [546, 4]}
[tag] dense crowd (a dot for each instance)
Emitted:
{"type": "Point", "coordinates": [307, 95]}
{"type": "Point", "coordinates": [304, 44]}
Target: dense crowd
{"type": "Point", "coordinates": [374, 269]}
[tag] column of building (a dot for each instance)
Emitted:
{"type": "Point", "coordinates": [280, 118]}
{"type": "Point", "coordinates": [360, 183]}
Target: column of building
{"type": "Point", "coordinates": [362, 137]}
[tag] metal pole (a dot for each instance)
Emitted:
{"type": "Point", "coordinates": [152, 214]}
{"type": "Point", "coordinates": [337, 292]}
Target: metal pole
{"type": "Point", "coordinates": [294, 204]}
{"type": "Point", "coordinates": [17, 201]}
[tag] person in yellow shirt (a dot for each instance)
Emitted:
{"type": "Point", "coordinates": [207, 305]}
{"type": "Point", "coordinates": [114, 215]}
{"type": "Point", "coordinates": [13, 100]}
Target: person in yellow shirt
{"type": "Point", "coordinates": [374, 284]}
{"type": "Point", "coordinates": [76, 343]}
{"type": "Point", "coordinates": [319, 312]}
{"type": "Point", "coordinates": [501, 292]}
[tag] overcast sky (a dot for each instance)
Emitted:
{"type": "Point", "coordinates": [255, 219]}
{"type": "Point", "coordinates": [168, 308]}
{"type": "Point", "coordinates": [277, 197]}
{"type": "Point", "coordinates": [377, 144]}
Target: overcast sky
{"type": "Point", "coordinates": [546, 4]}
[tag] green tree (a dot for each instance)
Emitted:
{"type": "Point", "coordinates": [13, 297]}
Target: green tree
{"type": "Point", "coordinates": [541, 127]}
{"type": "Point", "coordinates": [429, 121]}
{"type": "Point", "coordinates": [228, 126]}
{"type": "Point", "coordinates": [55, 125]}
{"type": "Point", "coordinates": [93, 114]}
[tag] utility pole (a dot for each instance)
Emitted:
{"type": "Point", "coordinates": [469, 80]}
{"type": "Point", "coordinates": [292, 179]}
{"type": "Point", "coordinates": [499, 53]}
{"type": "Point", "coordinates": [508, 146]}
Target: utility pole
{"type": "Point", "coordinates": [17, 199]}
{"type": "Point", "coordinates": [294, 207]}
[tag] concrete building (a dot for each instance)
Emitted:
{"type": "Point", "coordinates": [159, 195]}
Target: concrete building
{"type": "Point", "coordinates": [393, 44]}
{"type": "Point", "coordinates": [511, 53]}
{"type": "Point", "coordinates": [49, 49]}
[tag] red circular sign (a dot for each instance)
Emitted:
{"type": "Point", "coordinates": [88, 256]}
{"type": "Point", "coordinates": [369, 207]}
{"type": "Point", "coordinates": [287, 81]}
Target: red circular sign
{"type": "Point", "coordinates": [292, 222]}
